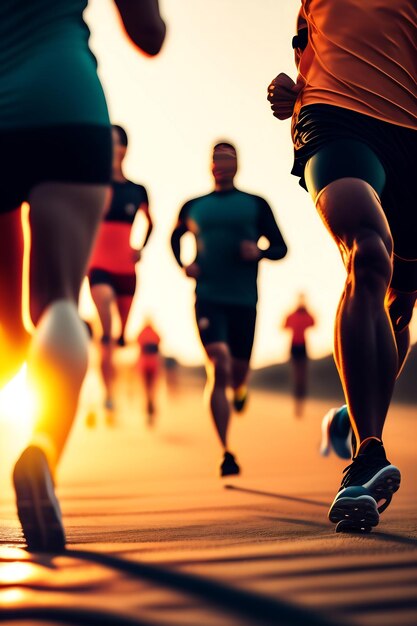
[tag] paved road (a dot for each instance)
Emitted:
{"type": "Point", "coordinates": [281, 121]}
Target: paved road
{"type": "Point", "coordinates": [155, 537]}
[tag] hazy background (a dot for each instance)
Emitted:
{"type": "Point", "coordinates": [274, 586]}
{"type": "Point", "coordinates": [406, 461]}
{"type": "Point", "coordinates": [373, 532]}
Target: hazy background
{"type": "Point", "coordinates": [209, 82]}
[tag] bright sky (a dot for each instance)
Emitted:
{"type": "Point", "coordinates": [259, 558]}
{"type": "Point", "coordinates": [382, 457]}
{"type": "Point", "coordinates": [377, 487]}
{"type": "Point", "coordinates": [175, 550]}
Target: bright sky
{"type": "Point", "coordinates": [209, 82]}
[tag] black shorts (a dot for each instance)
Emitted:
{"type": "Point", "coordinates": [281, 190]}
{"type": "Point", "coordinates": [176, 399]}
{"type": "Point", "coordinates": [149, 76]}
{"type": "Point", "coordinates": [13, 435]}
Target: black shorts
{"type": "Point", "coordinates": [232, 324]}
{"type": "Point", "coordinates": [122, 284]}
{"type": "Point", "coordinates": [343, 144]}
{"type": "Point", "coordinates": [298, 352]}
{"type": "Point", "coordinates": [79, 153]}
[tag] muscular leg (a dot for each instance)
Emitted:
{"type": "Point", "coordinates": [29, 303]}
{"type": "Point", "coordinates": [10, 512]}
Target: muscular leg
{"type": "Point", "coordinates": [103, 296]}
{"type": "Point", "coordinates": [218, 374]}
{"type": "Point", "coordinates": [64, 219]}
{"type": "Point", "coordinates": [364, 340]}
{"type": "Point", "coordinates": [14, 339]}
{"type": "Point", "coordinates": [400, 306]}
{"type": "Point", "coordinates": [124, 304]}
{"type": "Point", "coordinates": [240, 371]}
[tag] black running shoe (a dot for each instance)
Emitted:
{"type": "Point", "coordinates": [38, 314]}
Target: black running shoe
{"type": "Point", "coordinates": [366, 490]}
{"type": "Point", "coordinates": [37, 505]}
{"type": "Point", "coordinates": [121, 342]}
{"type": "Point", "coordinates": [229, 467]}
{"type": "Point", "coordinates": [240, 400]}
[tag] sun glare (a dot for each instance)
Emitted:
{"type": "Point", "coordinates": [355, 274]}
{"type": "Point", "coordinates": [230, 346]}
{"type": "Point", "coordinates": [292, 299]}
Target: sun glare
{"type": "Point", "coordinates": [17, 403]}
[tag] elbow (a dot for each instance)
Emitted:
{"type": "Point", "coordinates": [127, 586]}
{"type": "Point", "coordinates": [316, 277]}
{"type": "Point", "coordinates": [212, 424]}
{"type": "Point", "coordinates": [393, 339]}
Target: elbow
{"type": "Point", "coordinates": [150, 41]}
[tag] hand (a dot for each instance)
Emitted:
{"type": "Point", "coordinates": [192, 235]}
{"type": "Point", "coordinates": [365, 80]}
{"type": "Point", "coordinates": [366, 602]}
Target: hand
{"type": "Point", "coordinates": [192, 270]}
{"type": "Point", "coordinates": [136, 255]}
{"type": "Point", "coordinates": [249, 251]}
{"type": "Point", "coordinates": [282, 94]}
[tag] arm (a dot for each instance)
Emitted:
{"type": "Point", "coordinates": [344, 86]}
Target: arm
{"type": "Point", "coordinates": [180, 229]}
{"type": "Point", "coordinates": [268, 228]}
{"type": "Point", "coordinates": [143, 23]}
{"type": "Point", "coordinates": [283, 91]}
{"type": "Point", "coordinates": [144, 207]}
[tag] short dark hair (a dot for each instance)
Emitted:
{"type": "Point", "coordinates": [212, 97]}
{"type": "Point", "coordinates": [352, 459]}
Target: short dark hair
{"type": "Point", "coordinates": [122, 134]}
{"type": "Point", "coordinates": [224, 144]}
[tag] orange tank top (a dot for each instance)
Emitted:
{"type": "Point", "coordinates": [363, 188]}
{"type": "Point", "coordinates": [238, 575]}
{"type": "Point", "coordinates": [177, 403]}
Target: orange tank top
{"type": "Point", "coordinates": [362, 55]}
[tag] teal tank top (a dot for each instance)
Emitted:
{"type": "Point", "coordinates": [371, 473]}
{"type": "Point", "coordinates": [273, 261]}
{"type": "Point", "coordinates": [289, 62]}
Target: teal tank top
{"type": "Point", "coordinates": [48, 74]}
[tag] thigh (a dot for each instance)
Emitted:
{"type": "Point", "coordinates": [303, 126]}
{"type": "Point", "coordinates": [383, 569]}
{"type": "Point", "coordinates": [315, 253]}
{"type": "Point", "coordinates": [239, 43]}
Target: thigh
{"type": "Point", "coordinates": [11, 268]}
{"type": "Point", "coordinates": [103, 295]}
{"type": "Point", "coordinates": [64, 218]}
{"type": "Point", "coordinates": [211, 323]}
{"type": "Point", "coordinates": [241, 331]}
{"type": "Point", "coordinates": [344, 158]}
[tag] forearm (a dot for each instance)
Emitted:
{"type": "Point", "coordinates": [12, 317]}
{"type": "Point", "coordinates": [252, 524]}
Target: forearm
{"type": "Point", "coordinates": [143, 23]}
{"type": "Point", "coordinates": [176, 246]}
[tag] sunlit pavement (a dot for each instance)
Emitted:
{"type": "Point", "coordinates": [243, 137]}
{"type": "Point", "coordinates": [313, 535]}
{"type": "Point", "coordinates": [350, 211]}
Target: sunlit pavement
{"type": "Point", "coordinates": [156, 537]}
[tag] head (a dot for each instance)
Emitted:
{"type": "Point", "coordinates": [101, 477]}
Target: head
{"type": "Point", "coordinates": [224, 164]}
{"type": "Point", "coordinates": [301, 302]}
{"type": "Point", "coordinates": [120, 142]}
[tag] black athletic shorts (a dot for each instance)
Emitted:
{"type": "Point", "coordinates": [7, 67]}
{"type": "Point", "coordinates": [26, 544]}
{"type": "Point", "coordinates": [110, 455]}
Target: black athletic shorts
{"type": "Point", "coordinates": [298, 352]}
{"type": "Point", "coordinates": [122, 284]}
{"type": "Point", "coordinates": [79, 153]}
{"type": "Point", "coordinates": [232, 324]}
{"type": "Point", "coordinates": [343, 144]}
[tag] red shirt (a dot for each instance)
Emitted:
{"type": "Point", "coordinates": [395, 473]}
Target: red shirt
{"type": "Point", "coordinates": [298, 322]}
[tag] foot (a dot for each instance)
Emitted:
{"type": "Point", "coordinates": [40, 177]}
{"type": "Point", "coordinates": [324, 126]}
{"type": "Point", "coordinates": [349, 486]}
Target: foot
{"type": "Point", "coordinates": [121, 342]}
{"type": "Point", "coordinates": [366, 490]}
{"type": "Point", "coordinates": [37, 505]}
{"type": "Point", "coordinates": [240, 398]}
{"type": "Point", "coordinates": [336, 433]}
{"type": "Point", "coordinates": [109, 404]}
{"type": "Point", "coordinates": [229, 467]}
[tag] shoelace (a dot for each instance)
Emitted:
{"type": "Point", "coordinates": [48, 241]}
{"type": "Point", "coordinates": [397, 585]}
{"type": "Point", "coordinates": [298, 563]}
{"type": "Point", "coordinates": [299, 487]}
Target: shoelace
{"type": "Point", "coordinates": [357, 472]}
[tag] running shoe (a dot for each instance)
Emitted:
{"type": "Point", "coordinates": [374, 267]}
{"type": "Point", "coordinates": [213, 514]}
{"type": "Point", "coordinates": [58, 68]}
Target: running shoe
{"type": "Point", "coordinates": [336, 433]}
{"type": "Point", "coordinates": [229, 467]}
{"type": "Point", "coordinates": [37, 505]}
{"type": "Point", "coordinates": [240, 398]}
{"type": "Point", "coordinates": [109, 404]}
{"type": "Point", "coordinates": [121, 342]}
{"type": "Point", "coordinates": [366, 490]}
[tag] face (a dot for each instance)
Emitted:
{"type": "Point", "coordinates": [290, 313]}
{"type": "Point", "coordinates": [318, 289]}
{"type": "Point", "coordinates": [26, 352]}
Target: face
{"type": "Point", "coordinates": [224, 165]}
{"type": "Point", "coordinates": [119, 151]}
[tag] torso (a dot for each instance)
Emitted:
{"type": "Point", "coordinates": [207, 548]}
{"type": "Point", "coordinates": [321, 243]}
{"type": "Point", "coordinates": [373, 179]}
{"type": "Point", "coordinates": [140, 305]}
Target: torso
{"type": "Point", "coordinates": [362, 55]}
{"type": "Point", "coordinates": [112, 250]}
{"type": "Point", "coordinates": [48, 75]}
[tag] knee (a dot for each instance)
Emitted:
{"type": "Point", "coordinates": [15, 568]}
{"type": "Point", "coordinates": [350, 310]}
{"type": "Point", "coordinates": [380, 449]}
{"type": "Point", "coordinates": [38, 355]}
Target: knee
{"type": "Point", "coordinates": [221, 368]}
{"type": "Point", "coordinates": [371, 262]}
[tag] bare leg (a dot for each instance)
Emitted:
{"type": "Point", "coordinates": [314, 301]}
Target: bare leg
{"type": "Point", "coordinates": [240, 371]}
{"type": "Point", "coordinates": [299, 367]}
{"type": "Point", "coordinates": [365, 350]}
{"type": "Point", "coordinates": [14, 339]}
{"type": "Point", "coordinates": [218, 373]}
{"type": "Point", "coordinates": [124, 304]}
{"type": "Point", "coordinates": [64, 219]}
{"type": "Point", "coordinates": [400, 306]}
{"type": "Point", "coordinates": [103, 296]}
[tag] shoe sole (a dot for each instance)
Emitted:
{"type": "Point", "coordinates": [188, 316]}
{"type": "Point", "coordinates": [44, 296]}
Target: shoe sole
{"type": "Point", "coordinates": [37, 506]}
{"type": "Point", "coordinates": [360, 514]}
{"type": "Point", "coordinates": [383, 485]}
{"type": "Point", "coordinates": [357, 514]}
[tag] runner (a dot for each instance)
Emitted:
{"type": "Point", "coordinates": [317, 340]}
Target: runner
{"type": "Point", "coordinates": [149, 365]}
{"type": "Point", "coordinates": [56, 142]}
{"type": "Point", "coordinates": [112, 273]}
{"type": "Point", "coordinates": [227, 224]}
{"type": "Point", "coordinates": [354, 132]}
{"type": "Point", "coordinates": [297, 323]}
